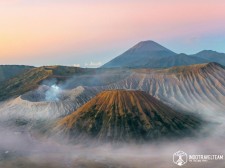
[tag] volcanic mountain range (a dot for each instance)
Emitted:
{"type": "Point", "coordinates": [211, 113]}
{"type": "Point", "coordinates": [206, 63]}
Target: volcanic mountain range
{"type": "Point", "coordinates": [149, 54]}
{"type": "Point", "coordinates": [186, 88]}
{"type": "Point", "coordinates": [193, 88]}
{"type": "Point", "coordinates": [167, 93]}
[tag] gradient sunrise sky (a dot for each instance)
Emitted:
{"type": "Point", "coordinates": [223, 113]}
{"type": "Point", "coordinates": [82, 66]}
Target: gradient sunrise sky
{"type": "Point", "coordinates": [88, 33]}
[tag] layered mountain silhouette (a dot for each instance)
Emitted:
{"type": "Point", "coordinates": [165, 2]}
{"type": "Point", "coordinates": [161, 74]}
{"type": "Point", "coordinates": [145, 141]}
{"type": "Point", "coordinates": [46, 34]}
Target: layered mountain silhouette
{"type": "Point", "coordinates": [139, 54]}
{"type": "Point", "coordinates": [211, 56]}
{"type": "Point", "coordinates": [126, 115]}
{"type": "Point", "coordinates": [15, 80]}
{"type": "Point", "coordinates": [174, 60]}
{"type": "Point", "coordinates": [149, 54]}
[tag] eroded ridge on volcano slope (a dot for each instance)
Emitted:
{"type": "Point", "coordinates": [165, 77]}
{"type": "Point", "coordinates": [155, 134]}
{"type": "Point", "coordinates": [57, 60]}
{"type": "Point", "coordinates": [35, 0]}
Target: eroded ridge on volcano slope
{"type": "Point", "coordinates": [122, 115]}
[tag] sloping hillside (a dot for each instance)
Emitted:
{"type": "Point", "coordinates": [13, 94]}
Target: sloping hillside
{"type": "Point", "coordinates": [195, 88]}
{"type": "Point", "coordinates": [175, 60]}
{"type": "Point", "coordinates": [31, 79]}
{"type": "Point", "coordinates": [9, 71]}
{"type": "Point", "coordinates": [138, 55]}
{"type": "Point", "coordinates": [119, 115]}
{"type": "Point", "coordinates": [149, 54]}
{"type": "Point", "coordinates": [211, 56]}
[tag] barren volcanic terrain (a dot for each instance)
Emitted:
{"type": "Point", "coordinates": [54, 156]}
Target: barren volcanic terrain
{"type": "Point", "coordinates": [194, 88]}
{"type": "Point", "coordinates": [120, 115]}
{"type": "Point", "coordinates": [45, 103]}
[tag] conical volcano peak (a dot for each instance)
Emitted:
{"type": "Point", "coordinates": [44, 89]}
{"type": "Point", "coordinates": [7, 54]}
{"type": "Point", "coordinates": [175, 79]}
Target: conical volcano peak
{"type": "Point", "coordinates": [126, 115]}
{"type": "Point", "coordinates": [149, 45]}
{"type": "Point", "coordinates": [139, 55]}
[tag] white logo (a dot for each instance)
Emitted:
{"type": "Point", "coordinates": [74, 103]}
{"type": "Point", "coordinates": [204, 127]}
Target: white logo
{"type": "Point", "coordinates": [180, 158]}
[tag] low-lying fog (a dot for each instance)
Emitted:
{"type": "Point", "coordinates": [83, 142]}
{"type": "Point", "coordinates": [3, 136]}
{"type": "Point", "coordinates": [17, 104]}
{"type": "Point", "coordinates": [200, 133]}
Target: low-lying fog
{"type": "Point", "coordinates": [20, 148]}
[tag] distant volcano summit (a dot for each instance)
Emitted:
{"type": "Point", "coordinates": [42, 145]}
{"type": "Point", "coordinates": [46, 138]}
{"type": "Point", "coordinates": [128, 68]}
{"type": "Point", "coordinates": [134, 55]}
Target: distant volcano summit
{"type": "Point", "coordinates": [139, 54]}
{"type": "Point", "coordinates": [149, 54]}
{"type": "Point", "coordinates": [121, 115]}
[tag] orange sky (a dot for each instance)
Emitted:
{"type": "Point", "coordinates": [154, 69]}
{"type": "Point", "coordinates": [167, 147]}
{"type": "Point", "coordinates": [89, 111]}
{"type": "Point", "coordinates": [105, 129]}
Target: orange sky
{"type": "Point", "coordinates": [48, 32]}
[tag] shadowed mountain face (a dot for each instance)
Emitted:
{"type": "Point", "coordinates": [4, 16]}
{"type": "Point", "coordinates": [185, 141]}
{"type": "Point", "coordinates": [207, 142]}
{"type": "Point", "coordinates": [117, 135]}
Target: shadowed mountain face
{"type": "Point", "coordinates": [138, 55]}
{"type": "Point", "coordinates": [175, 60]}
{"type": "Point", "coordinates": [148, 54]}
{"type": "Point", "coordinates": [119, 115]}
{"type": "Point", "coordinates": [211, 56]}
{"type": "Point", "coordinates": [9, 71]}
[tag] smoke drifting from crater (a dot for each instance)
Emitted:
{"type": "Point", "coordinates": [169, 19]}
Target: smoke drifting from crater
{"type": "Point", "coordinates": [52, 94]}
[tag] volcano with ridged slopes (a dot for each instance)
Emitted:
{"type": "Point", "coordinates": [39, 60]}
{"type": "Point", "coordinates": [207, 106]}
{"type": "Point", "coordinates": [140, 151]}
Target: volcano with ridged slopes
{"type": "Point", "coordinates": [126, 115]}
